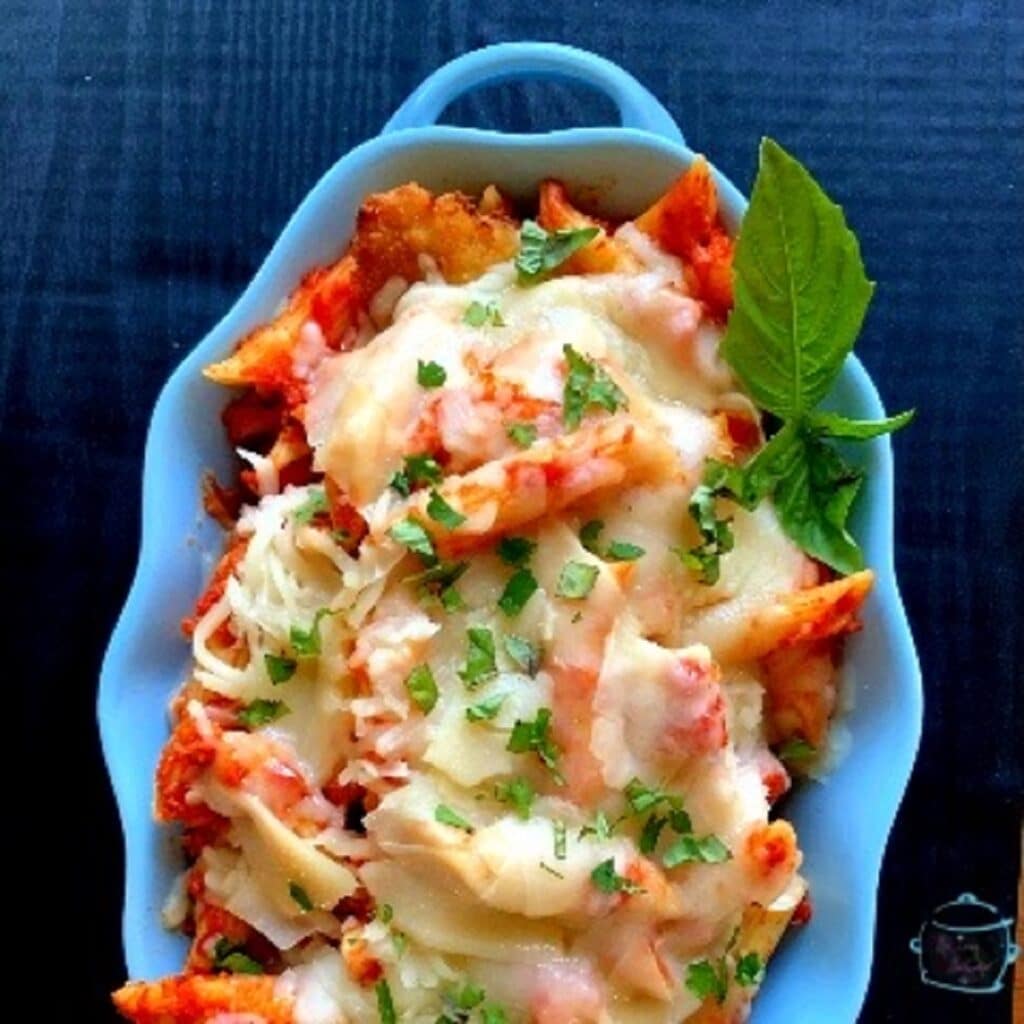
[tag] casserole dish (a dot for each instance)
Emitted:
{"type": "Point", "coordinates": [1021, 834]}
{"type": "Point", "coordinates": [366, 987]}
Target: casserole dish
{"type": "Point", "coordinates": [823, 973]}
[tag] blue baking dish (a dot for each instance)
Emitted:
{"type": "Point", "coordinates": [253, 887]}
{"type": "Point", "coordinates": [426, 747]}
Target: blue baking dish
{"type": "Point", "coordinates": [821, 972]}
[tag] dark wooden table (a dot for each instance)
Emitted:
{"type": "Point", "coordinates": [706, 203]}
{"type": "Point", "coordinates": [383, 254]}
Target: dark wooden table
{"type": "Point", "coordinates": [151, 152]}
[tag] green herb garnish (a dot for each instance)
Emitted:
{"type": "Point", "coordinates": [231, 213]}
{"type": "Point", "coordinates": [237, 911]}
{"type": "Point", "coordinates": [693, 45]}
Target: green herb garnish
{"type": "Point", "coordinates": [516, 550]}
{"type": "Point", "coordinates": [430, 375]}
{"type": "Point", "coordinates": [314, 505]}
{"type": "Point", "coordinates": [797, 749]}
{"type": "Point", "coordinates": [231, 958]}
{"type": "Point", "coordinates": [422, 688]}
{"type": "Point", "coordinates": [518, 792]}
{"type": "Point", "coordinates": [523, 653]}
{"type": "Point", "coordinates": [262, 712]}
{"type": "Point", "coordinates": [801, 295]}
{"type": "Point", "coordinates": [542, 251]}
{"type": "Point", "coordinates": [607, 879]}
{"type": "Point", "coordinates": [576, 580]}
{"type": "Point", "coordinates": [519, 589]}
{"type": "Point", "coordinates": [413, 536]}
{"type": "Point", "coordinates": [279, 668]}
{"type": "Point", "coordinates": [749, 969]}
{"type": "Point", "coordinates": [480, 658]}
{"type": "Point", "coordinates": [300, 896]}
{"type": "Point", "coordinates": [521, 434]}
{"type": "Point", "coordinates": [441, 512]}
{"type": "Point", "coordinates": [586, 385]}
{"type": "Point", "coordinates": [487, 709]}
{"type": "Point", "coordinates": [417, 470]}
{"type": "Point", "coordinates": [705, 979]}
{"type": "Point", "coordinates": [446, 816]}
{"type": "Point", "coordinates": [478, 313]}
{"type": "Point", "coordinates": [535, 736]}
{"type": "Point", "coordinates": [561, 839]}
{"type": "Point", "coordinates": [691, 849]}
{"type": "Point", "coordinates": [385, 1004]}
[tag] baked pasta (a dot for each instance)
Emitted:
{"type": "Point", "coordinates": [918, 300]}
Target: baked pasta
{"type": "Point", "coordinates": [493, 692]}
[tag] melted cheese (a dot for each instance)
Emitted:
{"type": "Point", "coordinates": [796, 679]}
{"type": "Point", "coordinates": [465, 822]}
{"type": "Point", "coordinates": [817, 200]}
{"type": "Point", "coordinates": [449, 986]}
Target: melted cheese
{"type": "Point", "coordinates": [644, 675]}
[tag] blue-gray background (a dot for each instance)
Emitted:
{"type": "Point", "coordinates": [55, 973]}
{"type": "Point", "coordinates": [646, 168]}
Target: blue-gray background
{"type": "Point", "coordinates": [151, 152]}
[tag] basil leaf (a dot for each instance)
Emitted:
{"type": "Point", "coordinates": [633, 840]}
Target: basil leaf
{"type": "Point", "coordinates": [480, 660]}
{"type": "Point", "coordinates": [300, 896]}
{"type": "Point", "coordinates": [262, 712]}
{"type": "Point", "coordinates": [521, 434]}
{"type": "Point", "coordinates": [518, 792]}
{"type": "Point", "coordinates": [576, 580]}
{"type": "Point", "coordinates": [813, 501]}
{"type": "Point", "coordinates": [706, 980]}
{"type": "Point", "coordinates": [413, 536]}
{"type": "Point", "coordinates": [830, 424]}
{"type": "Point", "coordinates": [487, 709]}
{"type": "Point", "coordinates": [519, 589]}
{"type": "Point", "coordinates": [314, 505]}
{"type": "Point", "coordinates": [523, 653]}
{"type": "Point", "coordinates": [422, 688]}
{"type": "Point", "coordinates": [689, 849]}
{"type": "Point", "coordinates": [801, 291]}
{"type": "Point", "coordinates": [516, 550]}
{"type": "Point", "coordinates": [385, 1004]}
{"type": "Point", "coordinates": [478, 313]}
{"type": "Point", "coordinates": [441, 512]}
{"type": "Point", "coordinates": [446, 816]}
{"type": "Point", "coordinates": [542, 251]}
{"type": "Point", "coordinates": [749, 969]}
{"type": "Point", "coordinates": [430, 375]}
{"type": "Point", "coordinates": [279, 668]}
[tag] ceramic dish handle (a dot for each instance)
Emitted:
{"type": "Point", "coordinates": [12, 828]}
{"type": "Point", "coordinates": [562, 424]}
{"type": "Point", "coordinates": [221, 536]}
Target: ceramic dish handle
{"type": "Point", "coordinates": [637, 107]}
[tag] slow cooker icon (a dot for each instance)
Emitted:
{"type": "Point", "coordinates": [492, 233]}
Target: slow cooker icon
{"type": "Point", "coordinates": [965, 946]}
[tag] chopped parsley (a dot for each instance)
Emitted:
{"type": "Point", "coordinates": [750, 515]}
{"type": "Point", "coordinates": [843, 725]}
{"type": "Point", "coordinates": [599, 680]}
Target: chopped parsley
{"type": "Point", "coordinates": [749, 969]}
{"type": "Point", "coordinates": [478, 314]}
{"type": "Point", "coordinates": [590, 531]}
{"type": "Point", "coordinates": [651, 833]}
{"type": "Point", "coordinates": [279, 668]}
{"type": "Point", "coordinates": [480, 659]}
{"type": "Point", "coordinates": [518, 792]}
{"type": "Point", "coordinates": [300, 896]}
{"type": "Point", "coordinates": [535, 736]}
{"type": "Point", "coordinates": [576, 580]}
{"type": "Point", "coordinates": [587, 385]}
{"type": "Point", "coordinates": [519, 589]}
{"type": "Point", "coordinates": [516, 551]}
{"type": "Point", "coordinates": [439, 582]}
{"type": "Point", "coordinates": [385, 913]}
{"type": "Point", "coordinates": [262, 712]}
{"type": "Point", "coordinates": [521, 434]}
{"type": "Point", "coordinates": [643, 798]}
{"type": "Point", "coordinates": [523, 653]}
{"type": "Point", "coordinates": [446, 816]}
{"type": "Point", "coordinates": [430, 375]}
{"type": "Point", "coordinates": [314, 505]}
{"type": "Point", "coordinates": [385, 1004]}
{"type": "Point", "coordinates": [607, 879]}
{"type": "Point", "coordinates": [441, 512]}
{"type": "Point", "coordinates": [231, 958]}
{"type": "Point", "coordinates": [422, 688]}
{"type": "Point", "coordinates": [542, 251]}
{"type": "Point", "coordinates": [601, 829]}
{"type": "Point", "coordinates": [487, 709]}
{"type": "Point", "coordinates": [412, 535]}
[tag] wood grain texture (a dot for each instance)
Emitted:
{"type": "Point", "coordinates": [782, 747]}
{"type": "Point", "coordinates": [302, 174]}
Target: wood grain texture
{"type": "Point", "coordinates": [152, 150]}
